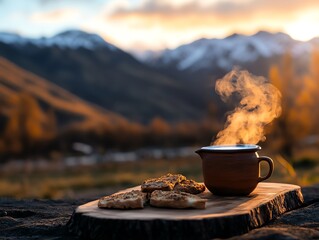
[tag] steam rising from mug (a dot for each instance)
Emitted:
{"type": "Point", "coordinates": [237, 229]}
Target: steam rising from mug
{"type": "Point", "coordinates": [259, 104]}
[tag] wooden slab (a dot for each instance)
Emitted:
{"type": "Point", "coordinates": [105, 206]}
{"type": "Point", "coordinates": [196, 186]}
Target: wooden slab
{"type": "Point", "coordinates": [223, 216]}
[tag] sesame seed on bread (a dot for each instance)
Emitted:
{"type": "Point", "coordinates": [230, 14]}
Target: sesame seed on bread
{"type": "Point", "coordinates": [166, 182]}
{"type": "Point", "coordinates": [190, 186]}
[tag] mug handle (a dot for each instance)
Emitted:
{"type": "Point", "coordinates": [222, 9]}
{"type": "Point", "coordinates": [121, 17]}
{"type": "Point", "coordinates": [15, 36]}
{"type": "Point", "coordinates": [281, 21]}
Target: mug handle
{"type": "Point", "coordinates": [271, 167]}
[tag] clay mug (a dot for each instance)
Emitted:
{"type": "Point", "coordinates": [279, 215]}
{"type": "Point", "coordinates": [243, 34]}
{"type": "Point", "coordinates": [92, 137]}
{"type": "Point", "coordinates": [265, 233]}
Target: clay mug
{"type": "Point", "coordinates": [232, 170]}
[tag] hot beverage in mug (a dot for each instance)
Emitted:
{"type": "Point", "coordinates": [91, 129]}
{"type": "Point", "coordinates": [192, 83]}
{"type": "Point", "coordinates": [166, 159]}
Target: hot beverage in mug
{"type": "Point", "coordinates": [231, 170]}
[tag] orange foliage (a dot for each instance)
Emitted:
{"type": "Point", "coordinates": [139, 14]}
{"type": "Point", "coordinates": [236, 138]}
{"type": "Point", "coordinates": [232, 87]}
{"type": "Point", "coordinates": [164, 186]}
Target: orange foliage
{"type": "Point", "coordinates": [27, 125]}
{"type": "Point", "coordinates": [300, 101]}
{"type": "Point", "coordinates": [159, 127]}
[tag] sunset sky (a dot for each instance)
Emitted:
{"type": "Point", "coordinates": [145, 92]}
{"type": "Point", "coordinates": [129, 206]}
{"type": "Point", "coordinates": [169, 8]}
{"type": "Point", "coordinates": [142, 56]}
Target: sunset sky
{"type": "Point", "coordinates": [158, 24]}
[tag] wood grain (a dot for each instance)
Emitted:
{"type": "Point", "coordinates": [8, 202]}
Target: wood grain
{"type": "Point", "coordinates": [223, 216]}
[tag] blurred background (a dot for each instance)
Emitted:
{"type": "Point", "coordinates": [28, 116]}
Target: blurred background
{"type": "Point", "coordinates": [99, 95]}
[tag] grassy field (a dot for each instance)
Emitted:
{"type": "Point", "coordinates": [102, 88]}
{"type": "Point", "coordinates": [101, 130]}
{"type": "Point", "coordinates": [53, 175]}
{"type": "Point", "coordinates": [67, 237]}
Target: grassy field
{"type": "Point", "coordinates": [106, 178]}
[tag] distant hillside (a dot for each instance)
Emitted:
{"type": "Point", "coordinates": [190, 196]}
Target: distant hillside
{"type": "Point", "coordinates": [38, 117]}
{"type": "Point", "coordinates": [69, 109]}
{"type": "Point", "coordinates": [101, 73]}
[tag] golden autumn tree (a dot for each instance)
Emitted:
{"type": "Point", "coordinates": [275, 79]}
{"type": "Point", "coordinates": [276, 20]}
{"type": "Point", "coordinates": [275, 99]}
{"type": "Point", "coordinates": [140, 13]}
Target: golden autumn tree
{"type": "Point", "coordinates": [306, 108]}
{"type": "Point", "coordinates": [159, 127]}
{"type": "Point", "coordinates": [50, 125]}
{"type": "Point", "coordinates": [12, 134]}
{"type": "Point", "coordinates": [26, 125]}
{"type": "Point", "coordinates": [158, 131]}
{"type": "Point", "coordinates": [314, 72]}
{"type": "Point", "coordinates": [299, 102]}
{"type": "Point", "coordinates": [283, 78]}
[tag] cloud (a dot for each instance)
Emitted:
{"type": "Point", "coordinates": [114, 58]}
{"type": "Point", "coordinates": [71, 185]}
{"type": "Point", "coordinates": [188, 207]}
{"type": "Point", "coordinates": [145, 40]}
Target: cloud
{"type": "Point", "coordinates": [167, 24]}
{"type": "Point", "coordinates": [54, 16]}
{"type": "Point", "coordinates": [157, 24]}
{"type": "Point", "coordinates": [200, 14]}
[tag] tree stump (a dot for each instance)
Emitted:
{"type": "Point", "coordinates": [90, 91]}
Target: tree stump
{"type": "Point", "coordinates": [223, 216]}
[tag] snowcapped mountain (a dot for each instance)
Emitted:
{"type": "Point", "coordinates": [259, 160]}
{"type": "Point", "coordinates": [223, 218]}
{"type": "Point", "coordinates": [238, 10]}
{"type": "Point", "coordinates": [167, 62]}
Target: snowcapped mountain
{"type": "Point", "coordinates": [68, 39]}
{"type": "Point", "coordinates": [223, 54]}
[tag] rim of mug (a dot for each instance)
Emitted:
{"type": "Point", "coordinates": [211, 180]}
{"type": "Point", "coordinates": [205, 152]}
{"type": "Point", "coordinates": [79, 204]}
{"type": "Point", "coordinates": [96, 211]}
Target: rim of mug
{"type": "Point", "coordinates": [225, 148]}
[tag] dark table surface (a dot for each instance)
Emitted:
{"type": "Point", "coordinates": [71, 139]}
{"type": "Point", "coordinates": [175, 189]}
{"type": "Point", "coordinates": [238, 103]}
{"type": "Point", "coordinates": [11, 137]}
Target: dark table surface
{"type": "Point", "coordinates": [47, 219]}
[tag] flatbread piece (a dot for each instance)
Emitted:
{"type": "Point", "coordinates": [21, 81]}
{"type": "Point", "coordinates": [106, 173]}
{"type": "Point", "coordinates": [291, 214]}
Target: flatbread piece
{"type": "Point", "coordinates": [175, 199]}
{"type": "Point", "coordinates": [128, 200]}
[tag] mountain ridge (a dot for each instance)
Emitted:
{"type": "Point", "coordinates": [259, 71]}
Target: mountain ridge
{"type": "Point", "coordinates": [112, 79]}
{"type": "Point", "coordinates": [66, 39]}
{"type": "Point", "coordinates": [221, 54]}
{"type": "Point", "coordinates": [175, 85]}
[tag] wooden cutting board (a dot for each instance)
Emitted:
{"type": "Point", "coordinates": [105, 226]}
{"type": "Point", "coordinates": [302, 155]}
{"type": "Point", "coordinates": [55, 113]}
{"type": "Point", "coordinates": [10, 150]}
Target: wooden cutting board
{"type": "Point", "coordinates": [223, 216]}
